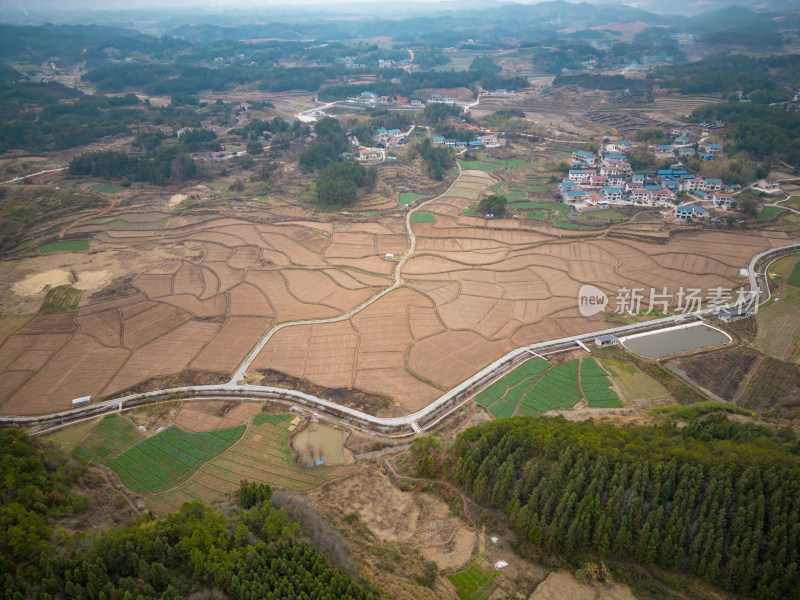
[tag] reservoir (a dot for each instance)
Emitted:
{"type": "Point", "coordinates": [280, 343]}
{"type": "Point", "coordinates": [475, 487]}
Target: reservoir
{"type": "Point", "coordinates": [675, 340]}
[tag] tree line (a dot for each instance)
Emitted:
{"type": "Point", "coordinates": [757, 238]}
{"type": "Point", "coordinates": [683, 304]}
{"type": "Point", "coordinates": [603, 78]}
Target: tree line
{"type": "Point", "coordinates": [251, 554]}
{"type": "Point", "coordinates": [718, 499]}
{"type": "Point", "coordinates": [162, 166]}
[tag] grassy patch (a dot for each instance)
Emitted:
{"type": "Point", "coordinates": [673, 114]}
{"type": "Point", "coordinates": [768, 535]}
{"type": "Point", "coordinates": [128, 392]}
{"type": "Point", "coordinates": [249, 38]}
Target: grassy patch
{"type": "Point", "coordinates": [634, 384]}
{"type": "Point", "coordinates": [476, 582]}
{"type": "Point", "coordinates": [687, 412]}
{"type": "Point", "coordinates": [422, 217]}
{"type": "Point", "coordinates": [60, 299]}
{"type": "Point", "coordinates": [10, 323]}
{"type": "Point", "coordinates": [596, 386]}
{"type": "Point", "coordinates": [71, 246]}
{"type": "Point", "coordinates": [111, 437]}
{"type": "Point", "coordinates": [603, 215]}
{"type": "Point", "coordinates": [794, 277]}
{"type": "Point", "coordinates": [769, 212]}
{"type": "Point", "coordinates": [68, 438]}
{"type": "Point", "coordinates": [409, 197]}
{"type": "Point", "coordinates": [262, 418]}
{"type": "Point", "coordinates": [170, 457]}
{"type": "Point", "coordinates": [502, 397]}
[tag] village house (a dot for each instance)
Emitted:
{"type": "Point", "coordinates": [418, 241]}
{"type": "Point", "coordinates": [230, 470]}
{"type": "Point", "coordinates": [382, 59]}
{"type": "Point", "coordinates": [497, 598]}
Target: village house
{"type": "Point", "coordinates": [573, 196]}
{"type": "Point", "coordinates": [713, 149]}
{"type": "Point", "coordinates": [581, 175]}
{"type": "Point", "coordinates": [713, 185]}
{"type": "Point", "coordinates": [767, 185]}
{"type": "Point", "coordinates": [685, 213]}
{"type": "Point", "coordinates": [722, 199]}
{"type": "Point", "coordinates": [584, 157]}
{"type": "Point", "coordinates": [612, 194]}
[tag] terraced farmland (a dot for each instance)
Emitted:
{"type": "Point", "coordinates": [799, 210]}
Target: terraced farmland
{"type": "Point", "coordinates": [476, 582]}
{"type": "Point", "coordinates": [112, 436]}
{"type": "Point", "coordinates": [536, 387]}
{"type": "Point", "coordinates": [558, 388]}
{"type": "Point", "coordinates": [262, 455]}
{"type": "Point", "coordinates": [596, 386]}
{"type": "Point", "coordinates": [170, 457]}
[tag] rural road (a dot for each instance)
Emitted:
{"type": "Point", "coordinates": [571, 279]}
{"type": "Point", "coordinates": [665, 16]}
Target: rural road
{"type": "Point", "coordinates": [393, 426]}
{"type": "Point", "coordinates": [45, 172]}
{"type": "Point", "coordinates": [239, 374]}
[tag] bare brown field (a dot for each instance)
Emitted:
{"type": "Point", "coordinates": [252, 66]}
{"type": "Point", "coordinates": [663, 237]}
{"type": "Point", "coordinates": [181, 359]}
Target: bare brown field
{"type": "Point", "coordinates": [205, 289]}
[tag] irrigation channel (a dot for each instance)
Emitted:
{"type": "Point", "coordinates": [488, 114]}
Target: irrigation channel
{"type": "Point", "coordinates": [396, 427]}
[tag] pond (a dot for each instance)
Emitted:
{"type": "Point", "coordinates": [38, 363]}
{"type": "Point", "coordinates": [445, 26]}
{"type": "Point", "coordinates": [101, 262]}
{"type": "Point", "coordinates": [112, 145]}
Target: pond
{"type": "Point", "coordinates": [319, 442]}
{"type": "Point", "coordinates": [675, 340]}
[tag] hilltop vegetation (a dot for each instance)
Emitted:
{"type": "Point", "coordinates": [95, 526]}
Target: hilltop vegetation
{"type": "Point", "coordinates": [255, 552]}
{"type": "Point", "coordinates": [717, 499]}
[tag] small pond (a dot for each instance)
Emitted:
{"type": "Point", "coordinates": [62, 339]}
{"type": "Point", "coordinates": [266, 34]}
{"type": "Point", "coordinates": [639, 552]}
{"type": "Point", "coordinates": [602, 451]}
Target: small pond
{"type": "Point", "coordinates": [675, 340]}
{"type": "Point", "coordinates": [318, 442]}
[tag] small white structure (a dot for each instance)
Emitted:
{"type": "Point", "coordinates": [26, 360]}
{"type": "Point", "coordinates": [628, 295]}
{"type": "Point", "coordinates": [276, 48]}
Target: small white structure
{"type": "Point", "coordinates": [390, 257]}
{"type": "Point", "coordinates": [82, 401]}
{"type": "Point", "coordinates": [744, 273]}
{"type": "Point", "coordinates": [605, 340]}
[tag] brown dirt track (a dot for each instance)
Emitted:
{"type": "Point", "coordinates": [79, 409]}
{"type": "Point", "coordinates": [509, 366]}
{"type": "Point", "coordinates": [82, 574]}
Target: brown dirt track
{"type": "Point", "coordinates": [475, 288]}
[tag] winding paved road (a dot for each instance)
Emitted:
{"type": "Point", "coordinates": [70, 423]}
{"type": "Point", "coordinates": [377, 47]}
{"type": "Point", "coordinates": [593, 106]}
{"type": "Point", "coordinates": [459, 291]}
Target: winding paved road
{"type": "Point", "coordinates": [393, 426]}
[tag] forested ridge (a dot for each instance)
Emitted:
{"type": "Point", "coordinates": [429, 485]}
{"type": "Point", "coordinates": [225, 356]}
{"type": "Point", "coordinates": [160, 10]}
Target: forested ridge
{"type": "Point", "coordinates": [718, 499]}
{"type": "Point", "coordinates": [250, 554]}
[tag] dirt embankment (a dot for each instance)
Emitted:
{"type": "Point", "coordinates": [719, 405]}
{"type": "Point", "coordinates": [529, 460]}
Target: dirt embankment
{"type": "Point", "coordinates": [372, 404]}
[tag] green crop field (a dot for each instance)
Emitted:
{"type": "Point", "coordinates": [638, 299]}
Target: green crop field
{"type": "Point", "coordinates": [558, 388]}
{"type": "Point", "coordinates": [72, 246]}
{"type": "Point", "coordinates": [60, 299]}
{"type": "Point", "coordinates": [422, 217]}
{"type": "Point", "coordinates": [769, 212]}
{"type": "Point", "coordinates": [111, 437]}
{"type": "Point", "coordinates": [496, 186]}
{"type": "Point", "coordinates": [262, 455]}
{"type": "Point", "coordinates": [605, 215]}
{"type": "Point", "coordinates": [596, 386]}
{"type": "Point", "coordinates": [170, 457]}
{"type": "Point", "coordinates": [476, 582]}
{"type": "Point", "coordinates": [794, 277]}
{"type": "Point", "coordinates": [408, 198]}
{"type": "Point", "coordinates": [502, 397]}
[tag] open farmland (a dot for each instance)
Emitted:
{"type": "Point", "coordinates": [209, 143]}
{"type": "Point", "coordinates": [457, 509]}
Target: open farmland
{"type": "Point", "coordinates": [203, 292]}
{"type": "Point", "coordinates": [262, 455]}
{"type": "Point", "coordinates": [536, 387]}
{"type": "Point", "coordinates": [112, 436]}
{"type": "Point", "coordinates": [170, 457]}
{"type": "Point", "coordinates": [637, 388]}
{"type": "Point", "coordinates": [596, 386]}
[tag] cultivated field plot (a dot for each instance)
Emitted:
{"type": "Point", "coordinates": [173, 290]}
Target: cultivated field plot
{"type": "Point", "coordinates": [112, 436]}
{"type": "Point", "coordinates": [536, 387]}
{"type": "Point", "coordinates": [476, 582]}
{"type": "Point", "coordinates": [596, 386]}
{"type": "Point", "coordinates": [637, 388]}
{"type": "Point", "coordinates": [779, 328]}
{"type": "Point", "coordinates": [170, 457]}
{"type": "Point", "coordinates": [474, 289]}
{"type": "Point", "coordinates": [262, 455]}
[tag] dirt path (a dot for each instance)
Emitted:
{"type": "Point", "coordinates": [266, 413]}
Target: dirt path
{"type": "Point", "coordinates": [387, 464]}
{"type": "Point", "coordinates": [128, 500]}
{"type": "Point", "coordinates": [111, 204]}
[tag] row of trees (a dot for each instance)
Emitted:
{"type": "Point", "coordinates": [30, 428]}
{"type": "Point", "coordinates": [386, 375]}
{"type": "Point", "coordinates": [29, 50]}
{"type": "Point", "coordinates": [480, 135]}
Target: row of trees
{"type": "Point", "coordinates": [339, 182]}
{"type": "Point", "coordinates": [437, 159]}
{"type": "Point", "coordinates": [163, 166]}
{"type": "Point", "coordinates": [718, 499]}
{"type": "Point", "coordinates": [256, 553]}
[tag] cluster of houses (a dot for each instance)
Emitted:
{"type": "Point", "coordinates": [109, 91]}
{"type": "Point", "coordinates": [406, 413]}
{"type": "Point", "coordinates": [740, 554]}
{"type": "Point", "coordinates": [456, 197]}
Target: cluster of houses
{"type": "Point", "coordinates": [489, 140]}
{"type": "Point", "coordinates": [373, 99]}
{"type": "Point", "coordinates": [595, 182]}
{"type": "Point", "coordinates": [390, 138]}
